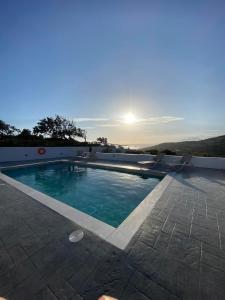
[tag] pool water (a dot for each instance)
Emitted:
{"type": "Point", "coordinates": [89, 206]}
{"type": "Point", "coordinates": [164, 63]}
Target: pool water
{"type": "Point", "coordinates": [109, 196]}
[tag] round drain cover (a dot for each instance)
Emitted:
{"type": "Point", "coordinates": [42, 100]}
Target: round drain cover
{"type": "Point", "coordinates": [76, 236]}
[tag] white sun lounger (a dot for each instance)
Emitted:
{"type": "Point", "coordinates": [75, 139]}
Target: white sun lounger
{"type": "Point", "coordinates": [184, 161]}
{"type": "Point", "coordinates": [157, 159]}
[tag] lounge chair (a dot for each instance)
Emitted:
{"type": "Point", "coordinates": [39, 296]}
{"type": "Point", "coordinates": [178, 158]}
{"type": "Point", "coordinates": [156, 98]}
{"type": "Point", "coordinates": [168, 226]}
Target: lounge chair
{"type": "Point", "coordinates": [86, 156]}
{"type": "Point", "coordinates": [160, 163]}
{"type": "Point", "coordinates": [150, 163]}
{"type": "Point", "coordinates": [177, 166]}
{"type": "Point", "coordinates": [184, 161]}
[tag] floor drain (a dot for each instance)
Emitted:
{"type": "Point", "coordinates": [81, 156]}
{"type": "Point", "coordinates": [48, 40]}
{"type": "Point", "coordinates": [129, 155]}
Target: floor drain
{"type": "Point", "coordinates": [76, 236]}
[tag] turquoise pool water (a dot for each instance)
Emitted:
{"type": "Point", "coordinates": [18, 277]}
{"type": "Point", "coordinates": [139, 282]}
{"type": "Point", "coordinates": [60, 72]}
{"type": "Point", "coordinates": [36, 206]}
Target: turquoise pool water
{"type": "Point", "coordinates": [106, 195]}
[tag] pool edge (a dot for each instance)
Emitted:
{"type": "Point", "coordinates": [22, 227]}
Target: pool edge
{"type": "Point", "coordinates": [123, 234]}
{"type": "Point", "coordinates": [84, 220]}
{"type": "Point", "coordinates": [120, 236]}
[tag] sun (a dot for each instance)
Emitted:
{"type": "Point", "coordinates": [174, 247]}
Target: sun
{"type": "Point", "coordinates": [130, 118]}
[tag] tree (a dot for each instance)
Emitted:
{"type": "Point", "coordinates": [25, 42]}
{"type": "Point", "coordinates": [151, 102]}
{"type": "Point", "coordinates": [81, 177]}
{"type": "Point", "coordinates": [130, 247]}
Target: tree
{"type": "Point", "coordinates": [44, 126]}
{"type": "Point", "coordinates": [152, 151]}
{"type": "Point", "coordinates": [85, 135]}
{"type": "Point", "coordinates": [58, 127]}
{"type": "Point", "coordinates": [82, 133]}
{"type": "Point", "coordinates": [7, 130]}
{"type": "Point", "coordinates": [168, 152]}
{"type": "Point", "coordinates": [25, 133]}
{"type": "Point", "coordinates": [102, 141]}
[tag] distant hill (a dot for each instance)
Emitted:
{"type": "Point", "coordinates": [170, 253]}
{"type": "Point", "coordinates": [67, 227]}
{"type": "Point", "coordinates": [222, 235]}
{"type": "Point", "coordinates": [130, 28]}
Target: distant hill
{"type": "Point", "coordinates": [209, 147]}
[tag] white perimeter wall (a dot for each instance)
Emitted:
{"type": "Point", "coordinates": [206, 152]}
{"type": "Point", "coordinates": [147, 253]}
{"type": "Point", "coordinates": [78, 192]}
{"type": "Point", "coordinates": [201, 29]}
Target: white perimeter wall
{"type": "Point", "coordinates": [202, 162]}
{"type": "Point", "coordinates": [135, 157]}
{"type": "Point", "coordinates": [29, 153]}
{"type": "Point", "coordinates": [209, 162]}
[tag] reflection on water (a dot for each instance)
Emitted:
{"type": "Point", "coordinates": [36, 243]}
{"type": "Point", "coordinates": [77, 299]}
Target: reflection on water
{"type": "Point", "coordinates": [57, 179]}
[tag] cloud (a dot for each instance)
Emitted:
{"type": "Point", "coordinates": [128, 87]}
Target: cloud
{"type": "Point", "coordinates": [163, 119]}
{"type": "Point", "coordinates": [154, 120]}
{"type": "Point", "coordinates": [88, 127]}
{"type": "Point", "coordinates": [118, 122]}
{"type": "Point", "coordinates": [90, 119]}
{"type": "Point", "coordinates": [108, 125]}
{"type": "Point", "coordinates": [215, 130]}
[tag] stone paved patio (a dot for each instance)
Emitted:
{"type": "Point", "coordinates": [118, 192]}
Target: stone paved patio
{"type": "Point", "coordinates": [178, 253]}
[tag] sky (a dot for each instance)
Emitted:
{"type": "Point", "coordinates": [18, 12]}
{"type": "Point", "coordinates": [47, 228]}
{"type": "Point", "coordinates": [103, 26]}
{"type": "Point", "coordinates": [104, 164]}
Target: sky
{"type": "Point", "coordinates": [136, 72]}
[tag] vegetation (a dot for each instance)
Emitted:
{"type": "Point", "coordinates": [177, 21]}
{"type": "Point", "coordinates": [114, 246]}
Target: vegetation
{"type": "Point", "coordinates": [168, 152]}
{"type": "Point", "coordinates": [208, 147]}
{"type": "Point", "coordinates": [134, 151]}
{"type": "Point", "coordinates": [59, 131]}
{"type": "Point", "coordinates": [58, 128]}
{"type": "Point", "coordinates": [152, 151]}
{"type": "Point", "coordinates": [7, 130]}
{"type": "Point", "coordinates": [102, 141]}
{"type": "Point", "coordinates": [50, 131]}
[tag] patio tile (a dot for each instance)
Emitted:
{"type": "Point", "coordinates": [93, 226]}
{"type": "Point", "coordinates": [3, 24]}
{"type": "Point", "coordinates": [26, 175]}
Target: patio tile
{"type": "Point", "coordinates": [149, 288]}
{"type": "Point", "coordinates": [132, 293]}
{"type": "Point", "coordinates": [111, 277]}
{"type": "Point", "coordinates": [6, 261]}
{"type": "Point", "coordinates": [44, 294]}
{"type": "Point", "coordinates": [178, 253]}
{"type": "Point", "coordinates": [214, 261]}
{"type": "Point", "coordinates": [17, 254]}
{"type": "Point", "coordinates": [208, 222]}
{"type": "Point", "coordinates": [16, 275]}
{"type": "Point", "coordinates": [145, 259]}
{"type": "Point", "coordinates": [60, 287]}
{"type": "Point", "coordinates": [185, 249]}
{"type": "Point", "coordinates": [212, 284]}
{"type": "Point", "coordinates": [178, 278]}
{"type": "Point", "coordinates": [205, 235]}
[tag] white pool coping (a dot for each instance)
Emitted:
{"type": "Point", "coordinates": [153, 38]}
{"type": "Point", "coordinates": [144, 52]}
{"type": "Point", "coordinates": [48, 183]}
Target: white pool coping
{"type": "Point", "coordinates": [121, 168]}
{"type": "Point", "coordinates": [120, 236]}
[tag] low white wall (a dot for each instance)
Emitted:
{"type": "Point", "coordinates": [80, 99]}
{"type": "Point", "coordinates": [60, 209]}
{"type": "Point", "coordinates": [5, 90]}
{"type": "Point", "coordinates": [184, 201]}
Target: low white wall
{"type": "Point", "coordinates": [208, 162]}
{"type": "Point", "coordinates": [8, 154]}
{"type": "Point", "coordinates": [124, 157]}
{"type": "Point", "coordinates": [202, 162]}
{"type": "Point", "coordinates": [29, 153]}
{"type": "Point", "coordinates": [172, 159]}
{"type": "Point", "coordinates": [135, 157]}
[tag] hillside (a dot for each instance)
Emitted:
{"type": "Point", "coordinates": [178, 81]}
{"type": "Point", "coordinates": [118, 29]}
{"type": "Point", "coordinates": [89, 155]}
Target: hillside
{"type": "Point", "coordinates": [209, 147]}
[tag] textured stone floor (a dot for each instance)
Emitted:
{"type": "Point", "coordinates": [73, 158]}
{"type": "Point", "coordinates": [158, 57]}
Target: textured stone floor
{"type": "Point", "coordinates": [178, 253]}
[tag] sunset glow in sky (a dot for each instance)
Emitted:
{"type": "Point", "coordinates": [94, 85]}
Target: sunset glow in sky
{"type": "Point", "coordinates": [137, 72]}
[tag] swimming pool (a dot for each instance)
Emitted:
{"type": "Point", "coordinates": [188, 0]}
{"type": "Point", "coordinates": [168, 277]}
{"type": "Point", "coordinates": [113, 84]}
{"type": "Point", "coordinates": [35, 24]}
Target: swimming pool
{"type": "Point", "coordinates": [109, 196]}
